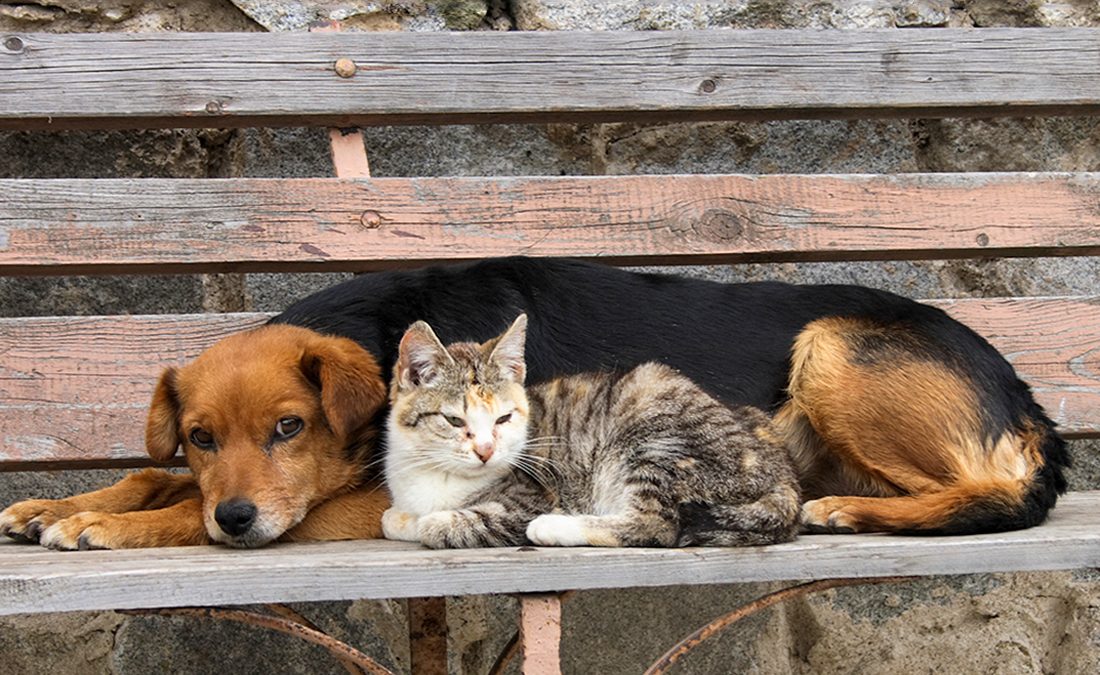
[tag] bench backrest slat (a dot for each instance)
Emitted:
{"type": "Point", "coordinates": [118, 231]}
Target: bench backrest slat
{"type": "Point", "coordinates": [76, 389]}
{"type": "Point", "coordinates": [208, 225]}
{"type": "Point", "coordinates": [257, 79]}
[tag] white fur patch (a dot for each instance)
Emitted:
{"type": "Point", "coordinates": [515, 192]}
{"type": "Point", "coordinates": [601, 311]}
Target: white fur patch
{"type": "Point", "coordinates": [400, 526]}
{"type": "Point", "coordinates": [554, 529]}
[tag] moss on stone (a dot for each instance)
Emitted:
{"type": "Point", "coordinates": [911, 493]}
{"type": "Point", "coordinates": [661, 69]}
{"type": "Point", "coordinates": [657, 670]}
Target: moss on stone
{"type": "Point", "coordinates": [462, 14]}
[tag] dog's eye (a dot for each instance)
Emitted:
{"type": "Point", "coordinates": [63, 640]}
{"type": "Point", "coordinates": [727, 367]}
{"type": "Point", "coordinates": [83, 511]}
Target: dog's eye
{"type": "Point", "coordinates": [455, 421]}
{"type": "Point", "coordinates": [504, 419]}
{"type": "Point", "coordinates": [201, 438]}
{"type": "Point", "coordinates": [288, 427]}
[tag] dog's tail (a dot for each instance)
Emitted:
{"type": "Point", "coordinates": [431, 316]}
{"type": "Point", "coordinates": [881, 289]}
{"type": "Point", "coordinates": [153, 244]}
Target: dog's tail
{"type": "Point", "coordinates": [994, 505]}
{"type": "Point", "coordinates": [981, 501]}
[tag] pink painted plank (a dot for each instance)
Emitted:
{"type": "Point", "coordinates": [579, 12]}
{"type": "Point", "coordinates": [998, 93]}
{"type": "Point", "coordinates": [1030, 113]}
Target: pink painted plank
{"type": "Point", "coordinates": [111, 226]}
{"type": "Point", "coordinates": [74, 390]}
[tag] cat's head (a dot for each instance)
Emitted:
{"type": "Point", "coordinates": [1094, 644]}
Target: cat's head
{"type": "Point", "coordinates": [459, 409]}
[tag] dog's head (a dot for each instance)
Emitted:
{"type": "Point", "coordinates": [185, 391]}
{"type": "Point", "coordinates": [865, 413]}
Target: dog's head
{"type": "Point", "coordinates": [272, 421]}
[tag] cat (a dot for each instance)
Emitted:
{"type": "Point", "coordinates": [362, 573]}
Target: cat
{"type": "Point", "coordinates": [644, 458]}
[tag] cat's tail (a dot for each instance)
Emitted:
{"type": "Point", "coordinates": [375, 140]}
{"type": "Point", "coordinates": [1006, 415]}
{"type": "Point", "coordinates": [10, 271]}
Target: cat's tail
{"type": "Point", "coordinates": [769, 520]}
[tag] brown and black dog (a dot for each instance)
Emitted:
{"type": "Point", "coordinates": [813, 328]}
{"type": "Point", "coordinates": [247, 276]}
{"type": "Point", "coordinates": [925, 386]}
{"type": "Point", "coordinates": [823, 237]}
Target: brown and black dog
{"type": "Point", "coordinates": [899, 418]}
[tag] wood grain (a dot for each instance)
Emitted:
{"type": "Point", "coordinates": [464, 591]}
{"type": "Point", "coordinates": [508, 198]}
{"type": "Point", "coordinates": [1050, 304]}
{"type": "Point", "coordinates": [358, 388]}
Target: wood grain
{"type": "Point", "coordinates": [239, 79]}
{"type": "Point", "coordinates": [75, 390]}
{"type": "Point", "coordinates": [47, 581]}
{"type": "Point", "coordinates": [210, 225]}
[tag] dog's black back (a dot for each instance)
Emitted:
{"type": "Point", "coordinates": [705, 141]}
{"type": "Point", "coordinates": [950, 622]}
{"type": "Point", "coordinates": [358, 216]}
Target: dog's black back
{"type": "Point", "coordinates": [733, 339]}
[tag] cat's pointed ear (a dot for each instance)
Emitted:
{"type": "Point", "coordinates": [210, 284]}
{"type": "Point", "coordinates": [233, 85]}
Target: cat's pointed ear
{"type": "Point", "coordinates": [420, 356]}
{"type": "Point", "coordinates": [508, 351]}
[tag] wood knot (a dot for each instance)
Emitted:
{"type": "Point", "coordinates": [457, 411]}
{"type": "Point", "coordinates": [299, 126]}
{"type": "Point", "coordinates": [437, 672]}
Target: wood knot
{"type": "Point", "coordinates": [720, 224]}
{"type": "Point", "coordinates": [14, 44]}
{"type": "Point", "coordinates": [345, 68]}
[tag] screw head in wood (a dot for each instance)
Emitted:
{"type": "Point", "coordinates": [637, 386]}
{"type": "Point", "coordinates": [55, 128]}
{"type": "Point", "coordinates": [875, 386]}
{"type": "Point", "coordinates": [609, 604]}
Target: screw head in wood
{"type": "Point", "coordinates": [371, 220]}
{"type": "Point", "coordinates": [345, 68]}
{"type": "Point", "coordinates": [213, 107]}
{"type": "Point", "coordinates": [708, 86]}
{"type": "Point", "coordinates": [13, 43]}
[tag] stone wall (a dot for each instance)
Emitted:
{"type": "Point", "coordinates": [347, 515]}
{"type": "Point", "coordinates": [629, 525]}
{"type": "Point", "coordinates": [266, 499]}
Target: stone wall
{"type": "Point", "coordinates": [986, 623]}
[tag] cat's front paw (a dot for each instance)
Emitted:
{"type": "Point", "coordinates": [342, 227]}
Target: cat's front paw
{"type": "Point", "coordinates": [400, 525]}
{"type": "Point", "coordinates": [437, 530]}
{"type": "Point", "coordinates": [555, 529]}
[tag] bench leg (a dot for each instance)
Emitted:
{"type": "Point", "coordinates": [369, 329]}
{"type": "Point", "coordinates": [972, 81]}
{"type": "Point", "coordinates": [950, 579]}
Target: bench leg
{"type": "Point", "coordinates": [540, 633]}
{"type": "Point", "coordinates": [428, 636]}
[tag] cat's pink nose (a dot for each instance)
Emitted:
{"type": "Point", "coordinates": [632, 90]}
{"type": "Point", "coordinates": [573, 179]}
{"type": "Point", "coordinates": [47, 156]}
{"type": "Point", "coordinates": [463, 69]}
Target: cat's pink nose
{"type": "Point", "coordinates": [484, 451]}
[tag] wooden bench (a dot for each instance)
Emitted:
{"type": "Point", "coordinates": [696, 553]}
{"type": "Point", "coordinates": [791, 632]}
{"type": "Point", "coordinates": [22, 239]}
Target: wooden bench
{"type": "Point", "coordinates": [73, 390]}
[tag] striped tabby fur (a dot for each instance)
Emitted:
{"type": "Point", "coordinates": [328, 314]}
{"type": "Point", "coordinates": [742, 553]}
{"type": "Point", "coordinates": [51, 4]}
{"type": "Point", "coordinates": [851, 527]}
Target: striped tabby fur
{"type": "Point", "coordinates": [644, 458]}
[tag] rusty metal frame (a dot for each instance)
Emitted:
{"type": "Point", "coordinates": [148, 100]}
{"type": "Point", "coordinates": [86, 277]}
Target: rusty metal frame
{"type": "Point", "coordinates": [354, 661]}
{"type": "Point", "coordinates": [716, 626]}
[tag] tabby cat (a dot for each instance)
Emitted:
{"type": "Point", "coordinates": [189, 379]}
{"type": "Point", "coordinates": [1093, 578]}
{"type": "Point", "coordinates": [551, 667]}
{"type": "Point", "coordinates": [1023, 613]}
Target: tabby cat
{"type": "Point", "coordinates": [644, 458]}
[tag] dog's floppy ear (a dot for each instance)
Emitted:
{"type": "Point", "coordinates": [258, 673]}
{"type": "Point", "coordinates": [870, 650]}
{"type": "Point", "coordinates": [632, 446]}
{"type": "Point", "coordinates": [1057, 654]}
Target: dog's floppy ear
{"type": "Point", "coordinates": [349, 378]}
{"type": "Point", "coordinates": [161, 427]}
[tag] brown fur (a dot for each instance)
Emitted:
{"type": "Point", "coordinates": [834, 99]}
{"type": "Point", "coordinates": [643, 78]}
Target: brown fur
{"type": "Point", "coordinates": [309, 487]}
{"type": "Point", "coordinates": [900, 436]}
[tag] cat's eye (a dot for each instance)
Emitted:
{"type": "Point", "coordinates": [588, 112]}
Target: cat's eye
{"type": "Point", "coordinates": [504, 419]}
{"type": "Point", "coordinates": [288, 427]}
{"type": "Point", "coordinates": [201, 438]}
{"type": "Point", "coordinates": [455, 421]}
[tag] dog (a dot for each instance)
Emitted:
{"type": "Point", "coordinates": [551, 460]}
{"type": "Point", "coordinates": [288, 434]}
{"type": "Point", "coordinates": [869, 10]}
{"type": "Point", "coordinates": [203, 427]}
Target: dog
{"type": "Point", "coordinates": [899, 418]}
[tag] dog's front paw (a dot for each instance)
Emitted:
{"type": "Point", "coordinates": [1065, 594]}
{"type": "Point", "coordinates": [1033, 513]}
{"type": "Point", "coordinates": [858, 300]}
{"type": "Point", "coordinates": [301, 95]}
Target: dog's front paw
{"type": "Point", "coordinates": [400, 525]}
{"type": "Point", "coordinates": [555, 529]}
{"type": "Point", "coordinates": [826, 516]}
{"type": "Point", "coordinates": [24, 521]}
{"type": "Point", "coordinates": [84, 531]}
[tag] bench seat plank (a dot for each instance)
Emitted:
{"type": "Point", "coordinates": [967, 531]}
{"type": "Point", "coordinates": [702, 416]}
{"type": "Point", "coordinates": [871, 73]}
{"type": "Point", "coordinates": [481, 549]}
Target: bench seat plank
{"type": "Point", "coordinates": [75, 389]}
{"type": "Point", "coordinates": [34, 580]}
{"type": "Point", "coordinates": [162, 225]}
{"type": "Point", "coordinates": [117, 80]}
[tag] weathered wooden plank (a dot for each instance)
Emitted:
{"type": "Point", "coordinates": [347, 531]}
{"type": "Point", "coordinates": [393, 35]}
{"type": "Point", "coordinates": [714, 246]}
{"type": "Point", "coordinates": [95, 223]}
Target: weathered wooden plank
{"type": "Point", "coordinates": [75, 389]}
{"type": "Point", "coordinates": [46, 581]}
{"type": "Point", "coordinates": [111, 226]}
{"type": "Point", "coordinates": [238, 79]}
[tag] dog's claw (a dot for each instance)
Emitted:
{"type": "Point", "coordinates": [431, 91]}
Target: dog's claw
{"type": "Point", "coordinates": [85, 544]}
{"type": "Point", "coordinates": [33, 531]}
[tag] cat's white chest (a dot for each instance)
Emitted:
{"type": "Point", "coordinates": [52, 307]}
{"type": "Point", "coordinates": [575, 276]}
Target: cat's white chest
{"type": "Point", "coordinates": [420, 493]}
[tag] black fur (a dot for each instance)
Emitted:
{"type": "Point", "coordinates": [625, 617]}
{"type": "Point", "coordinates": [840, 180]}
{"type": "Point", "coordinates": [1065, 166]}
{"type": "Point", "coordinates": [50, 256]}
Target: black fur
{"type": "Point", "coordinates": [732, 339]}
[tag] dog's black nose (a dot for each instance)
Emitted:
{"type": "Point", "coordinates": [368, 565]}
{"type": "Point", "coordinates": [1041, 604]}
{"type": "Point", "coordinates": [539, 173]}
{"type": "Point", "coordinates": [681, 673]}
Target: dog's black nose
{"type": "Point", "coordinates": [235, 516]}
